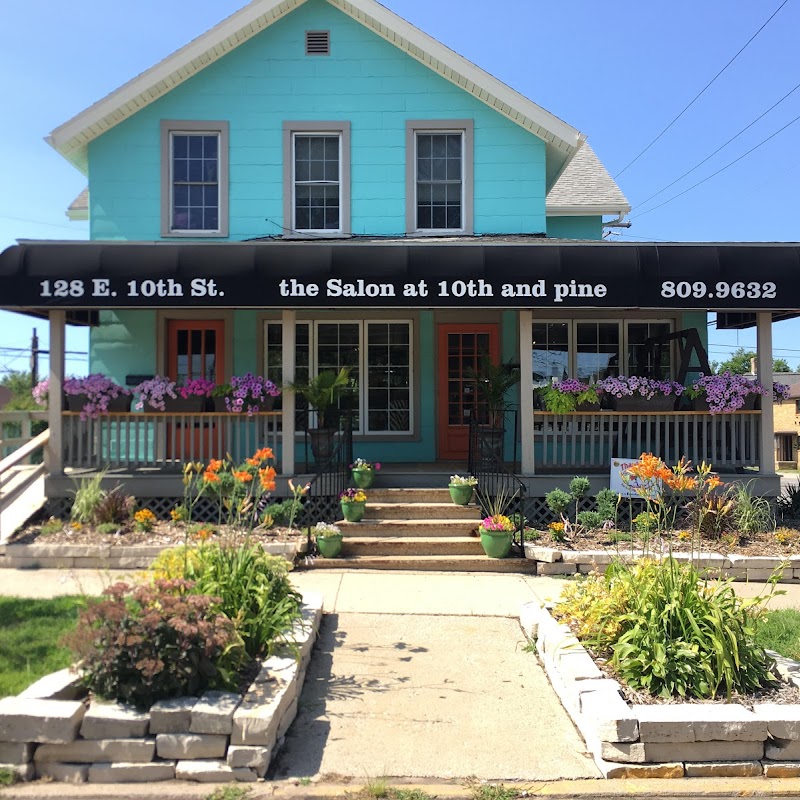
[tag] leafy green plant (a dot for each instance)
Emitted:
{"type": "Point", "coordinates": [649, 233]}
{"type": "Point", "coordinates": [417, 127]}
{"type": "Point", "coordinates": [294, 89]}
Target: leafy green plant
{"type": "Point", "coordinates": [645, 523]}
{"type": "Point", "coordinates": [607, 504]}
{"type": "Point", "coordinates": [751, 514]}
{"type": "Point", "coordinates": [51, 526]}
{"type": "Point", "coordinates": [322, 392]}
{"type": "Point", "coordinates": [283, 511]}
{"type": "Point", "coordinates": [377, 788]}
{"type": "Point", "coordinates": [579, 487]}
{"type": "Point", "coordinates": [107, 528]}
{"type": "Point", "coordinates": [531, 534]}
{"type": "Point", "coordinates": [88, 494]}
{"type": "Point", "coordinates": [115, 507]}
{"type": "Point", "coordinates": [788, 501]}
{"type": "Point", "coordinates": [147, 643]}
{"type": "Point", "coordinates": [668, 632]}
{"type": "Point", "coordinates": [493, 791]}
{"type": "Point", "coordinates": [229, 792]}
{"type": "Point", "coordinates": [590, 519]}
{"type": "Point", "coordinates": [558, 501]}
{"type": "Point", "coordinates": [7, 777]}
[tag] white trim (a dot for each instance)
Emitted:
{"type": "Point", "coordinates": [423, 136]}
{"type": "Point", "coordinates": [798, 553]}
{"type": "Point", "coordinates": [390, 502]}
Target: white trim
{"type": "Point", "coordinates": [588, 210]}
{"type": "Point", "coordinates": [77, 214]}
{"type": "Point", "coordinates": [71, 139]}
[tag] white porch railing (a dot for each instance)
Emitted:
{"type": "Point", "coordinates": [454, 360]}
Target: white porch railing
{"type": "Point", "coordinates": [591, 440]}
{"type": "Point", "coordinates": [16, 428]}
{"type": "Point", "coordinates": [164, 440]}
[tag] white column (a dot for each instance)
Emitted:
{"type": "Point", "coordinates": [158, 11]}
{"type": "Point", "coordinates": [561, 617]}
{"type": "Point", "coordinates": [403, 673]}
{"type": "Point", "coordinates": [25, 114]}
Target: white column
{"type": "Point", "coordinates": [54, 453]}
{"type": "Point", "coordinates": [766, 459]}
{"type": "Point", "coordinates": [289, 320]}
{"type": "Point", "coordinates": [526, 391]}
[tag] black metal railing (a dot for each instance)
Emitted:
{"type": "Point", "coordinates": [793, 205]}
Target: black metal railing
{"type": "Point", "coordinates": [321, 501]}
{"type": "Point", "coordinates": [499, 490]}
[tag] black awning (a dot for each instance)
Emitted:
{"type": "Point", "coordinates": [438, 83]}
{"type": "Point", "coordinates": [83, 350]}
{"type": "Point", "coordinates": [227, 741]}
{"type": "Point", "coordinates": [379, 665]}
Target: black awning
{"type": "Point", "coordinates": [511, 272]}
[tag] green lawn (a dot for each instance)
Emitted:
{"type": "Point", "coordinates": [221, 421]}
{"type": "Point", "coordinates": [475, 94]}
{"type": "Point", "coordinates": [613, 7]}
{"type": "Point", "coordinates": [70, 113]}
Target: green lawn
{"type": "Point", "coordinates": [29, 635]}
{"type": "Point", "coordinates": [781, 633]}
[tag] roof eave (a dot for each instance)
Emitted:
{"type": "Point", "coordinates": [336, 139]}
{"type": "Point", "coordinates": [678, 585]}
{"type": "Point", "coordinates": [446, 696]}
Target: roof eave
{"type": "Point", "coordinates": [587, 210]}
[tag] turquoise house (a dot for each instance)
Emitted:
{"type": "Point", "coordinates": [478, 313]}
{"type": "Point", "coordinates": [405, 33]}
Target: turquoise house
{"type": "Point", "coordinates": [316, 184]}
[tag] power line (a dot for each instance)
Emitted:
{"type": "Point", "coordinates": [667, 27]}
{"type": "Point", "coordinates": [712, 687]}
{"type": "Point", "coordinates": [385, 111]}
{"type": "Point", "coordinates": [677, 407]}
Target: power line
{"type": "Point", "coordinates": [700, 93]}
{"type": "Point", "coordinates": [722, 169]}
{"type": "Point", "coordinates": [37, 222]}
{"type": "Point", "coordinates": [721, 147]}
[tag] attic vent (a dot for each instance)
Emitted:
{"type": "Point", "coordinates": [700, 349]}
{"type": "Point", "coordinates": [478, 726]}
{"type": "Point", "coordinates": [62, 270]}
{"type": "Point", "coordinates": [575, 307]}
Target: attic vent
{"type": "Point", "coordinates": [318, 43]}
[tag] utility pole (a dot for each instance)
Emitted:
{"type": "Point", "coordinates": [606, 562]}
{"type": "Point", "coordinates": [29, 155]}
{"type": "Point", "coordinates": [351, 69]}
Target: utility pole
{"type": "Point", "coordinates": [34, 359]}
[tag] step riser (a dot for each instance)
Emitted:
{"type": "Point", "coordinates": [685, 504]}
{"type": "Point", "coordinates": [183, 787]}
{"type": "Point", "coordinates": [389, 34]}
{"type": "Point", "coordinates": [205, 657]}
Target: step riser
{"type": "Point", "coordinates": [415, 495]}
{"type": "Point", "coordinates": [389, 548]}
{"type": "Point", "coordinates": [421, 511]}
{"type": "Point", "coordinates": [482, 564]}
{"type": "Point", "coordinates": [443, 528]}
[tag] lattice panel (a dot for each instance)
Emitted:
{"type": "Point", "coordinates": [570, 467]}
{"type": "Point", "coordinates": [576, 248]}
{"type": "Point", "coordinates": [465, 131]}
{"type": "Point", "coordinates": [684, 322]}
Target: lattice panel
{"type": "Point", "coordinates": [538, 514]}
{"type": "Point", "coordinates": [319, 508]}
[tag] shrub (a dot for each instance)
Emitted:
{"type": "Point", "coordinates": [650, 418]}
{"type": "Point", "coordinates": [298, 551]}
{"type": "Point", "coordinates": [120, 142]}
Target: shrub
{"type": "Point", "coordinates": [590, 519]}
{"type": "Point", "coordinates": [558, 501]}
{"type": "Point", "coordinates": [107, 528]}
{"type": "Point", "coordinates": [578, 487]}
{"type": "Point", "coordinates": [751, 514]}
{"type": "Point", "coordinates": [668, 632]}
{"type": "Point", "coordinates": [283, 512]}
{"type": "Point", "coordinates": [147, 643]}
{"type": "Point", "coordinates": [789, 501]}
{"type": "Point", "coordinates": [115, 507]}
{"type": "Point", "coordinates": [607, 504]}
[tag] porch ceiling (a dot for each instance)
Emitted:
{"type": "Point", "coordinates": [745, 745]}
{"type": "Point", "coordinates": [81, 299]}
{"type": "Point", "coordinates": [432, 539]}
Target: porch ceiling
{"type": "Point", "coordinates": [475, 272]}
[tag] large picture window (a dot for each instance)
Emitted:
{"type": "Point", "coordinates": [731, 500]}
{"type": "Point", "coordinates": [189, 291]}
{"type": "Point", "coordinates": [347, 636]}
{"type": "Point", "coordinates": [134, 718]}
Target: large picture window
{"type": "Point", "coordinates": [595, 349]}
{"type": "Point", "coordinates": [378, 354]}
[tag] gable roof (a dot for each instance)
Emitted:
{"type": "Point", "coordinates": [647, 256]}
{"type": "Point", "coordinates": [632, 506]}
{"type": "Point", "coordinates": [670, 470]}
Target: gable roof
{"type": "Point", "coordinates": [585, 187]}
{"type": "Point", "coordinates": [79, 208]}
{"type": "Point", "coordinates": [72, 138]}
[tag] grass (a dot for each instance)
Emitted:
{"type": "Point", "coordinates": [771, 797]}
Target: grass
{"type": "Point", "coordinates": [781, 633]}
{"type": "Point", "coordinates": [229, 792]}
{"type": "Point", "coordinates": [493, 791]}
{"type": "Point", "coordinates": [7, 777]}
{"type": "Point", "coordinates": [29, 634]}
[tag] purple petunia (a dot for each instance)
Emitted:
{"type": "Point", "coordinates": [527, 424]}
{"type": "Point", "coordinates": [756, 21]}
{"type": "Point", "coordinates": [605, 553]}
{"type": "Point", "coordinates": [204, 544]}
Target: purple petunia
{"type": "Point", "coordinates": [622, 386]}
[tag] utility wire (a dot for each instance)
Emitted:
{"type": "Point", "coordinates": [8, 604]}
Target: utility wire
{"type": "Point", "coordinates": [721, 147]}
{"type": "Point", "coordinates": [722, 169]}
{"type": "Point", "coordinates": [701, 92]}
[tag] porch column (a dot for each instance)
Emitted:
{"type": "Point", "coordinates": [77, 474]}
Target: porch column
{"type": "Point", "coordinates": [288, 320]}
{"type": "Point", "coordinates": [54, 452]}
{"type": "Point", "coordinates": [766, 459]}
{"type": "Point", "coordinates": [526, 391]}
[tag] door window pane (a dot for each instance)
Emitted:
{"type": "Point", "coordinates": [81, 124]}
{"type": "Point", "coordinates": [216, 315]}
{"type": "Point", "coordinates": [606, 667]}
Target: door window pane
{"type": "Point", "coordinates": [388, 377]}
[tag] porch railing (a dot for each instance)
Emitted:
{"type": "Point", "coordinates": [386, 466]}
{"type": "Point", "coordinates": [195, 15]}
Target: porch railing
{"type": "Point", "coordinates": [164, 440]}
{"type": "Point", "coordinates": [592, 440]}
{"type": "Point", "coordinates": [19, 427]}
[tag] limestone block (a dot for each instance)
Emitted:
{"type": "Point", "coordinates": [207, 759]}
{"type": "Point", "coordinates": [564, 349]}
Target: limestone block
{"type": "Point", "coordinates": [556, 568]}
{"type": "Point", "coordinates": [715, 722]}
{"type": "Point", "coordinates": [190, 745]}
{"type": "Point", "coordinates": [754, 562]}
{"type": "Point", "coordinates": [588, 569]}
{"type": "Point", "coordinates": [529, 616]}
{"type": "Point", "coordinates": [624, 752]}
{"type": "Point", "coordinates": [89, 751]}
{"type": "Point", "coordinates": [703, 751]}
{"type": "Point", "coordinates": [32, 720]}
{"type": "Point", "coordinates": [256, 720]}
{"type": "Point", "coordinates": [783, 721]}
{"type": "Point", "coordinates": [783, 750]}
{"type": "Point", "coordinates": [666, 723]}
{"type": "Point", "coordinates": [275, 667]}
{"type": "Point", "coordinates": [61, 685]}
{"type": "Point", "coordinates": [725, 769]}
{"type": "Point", "coordinates": [63, 773]}
{"type": "Point", "coordinates": [288, 716]}
{"type": "Point", "coordinates": [781, 769]}
{"type": "Point", "coordinates": [609, 716]}
{"type": "Point", "coordinates": [611, 770]}
{"type": "Point", "coordinates": [545, 554]}
{"type": "Point", "coordinates": [212, 771]}
{"type": "Point", "coordinates": [16, 752]}
{"type": "Point", "coordinates": [735, 574]}
{"type": "Point", "coordinates": [132, 773]}
{"type": "Point", "coordinates": [598, 558]}
{"type": "Point", "coordinates": [172, 716]}
{"type": "Point", "coordinates": [577, 665]}
{"type": "Point", "coordinates": [758, 574]}
{"type": "Point", "coordinates": [257, 758]}
{"type": "Point", "coordinates": [576, 689]}
{"type": "Point", "coordinates": [704, 560]}
{"type": "Point", "coordinates": [114, 721]}
{"type": "Point", "coordinates": [214, 713]}
{"type": "Point", "coordinates": [24, 772]}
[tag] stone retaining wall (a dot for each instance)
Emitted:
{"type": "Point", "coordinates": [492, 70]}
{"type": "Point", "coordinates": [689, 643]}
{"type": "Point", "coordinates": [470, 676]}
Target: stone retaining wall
{"type": "Point", "coordinates": [78, 556]}
{"type": "Point", "coordinates": [663, 741]}
{"type": "Point", "coordinates": [552, 561]}
{"type": "Point", "coordinates": [49, 731]}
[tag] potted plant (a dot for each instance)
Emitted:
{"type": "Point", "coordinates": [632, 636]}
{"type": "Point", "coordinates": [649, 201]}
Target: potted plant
{"type": "Point", "coordinates": [496, 532]}
{"type": "Point", "coordinates": [725, 393]}
{"type": "Point", "coordinates": [632, 393]}
{"type": "Point", "coordinates": [462, 489]}
{"type": "Point", "coordinates": [193, 396]}
{"type": "Point", "coordinates": [96, 394]}
{"type": "Point", "coordinates": [328, 538]}
{"type": "Point", "coordinates": [364, 472]}
{"type": "Point", "coordinates": [567, 396]}
{"type": "Point", "coordinates": [353, 503]}
{"type": "Point", "coordinates": [492, 383]}
{"type": "Point", "coordinates": [154, 392]}
{"type": "Point", "coordinates": [219, 396]}
{"type": "Point", "coordinates": [41, 393]}
{"type": "Point", "coordinates": [322, 392]}
{"type": "Point", "coordinates": [251, 393]}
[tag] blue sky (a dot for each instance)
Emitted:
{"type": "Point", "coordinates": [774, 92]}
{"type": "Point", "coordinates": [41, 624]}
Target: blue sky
{"type": "Point", "coordinates": [618, 72]}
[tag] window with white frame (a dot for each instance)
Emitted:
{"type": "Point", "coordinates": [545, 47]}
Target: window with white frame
{"type": "Point", "coordinates": [439, 176]}
{"type": "Point", "coordinates": [591, 350]}
{"type": "Point", "coordinates": [379, 355]}
{"type": "Point", "coordinates": [317, 177]}
{"type": "Point", "coordinates": [194, 195]}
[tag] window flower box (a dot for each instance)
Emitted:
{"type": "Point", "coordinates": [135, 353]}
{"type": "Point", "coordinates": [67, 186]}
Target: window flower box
{"type": "Point", "coordinates": [634, 394]}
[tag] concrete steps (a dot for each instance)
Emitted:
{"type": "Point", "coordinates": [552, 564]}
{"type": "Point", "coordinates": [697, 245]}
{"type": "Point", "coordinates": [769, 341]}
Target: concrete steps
{"type": "Point", "coordinates": [412, 546]}
{"type": "Point", "coordinates": [434, 563]}
{"type": "Point", "coordinates": [422, 511]}
{"type": "Point", "coordinates": [382, 528]}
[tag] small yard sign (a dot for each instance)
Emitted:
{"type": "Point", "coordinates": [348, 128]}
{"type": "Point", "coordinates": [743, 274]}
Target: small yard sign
{"type": "Point", "coordinates": [628, 487]}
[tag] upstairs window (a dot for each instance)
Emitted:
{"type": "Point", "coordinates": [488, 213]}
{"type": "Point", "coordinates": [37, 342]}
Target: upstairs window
{"type": "Point", "coordinates": [439, 176]}
{"type": "Point", "coordinates": [316, 178]}
{"type": "Point", "coordinates": [194, 179]}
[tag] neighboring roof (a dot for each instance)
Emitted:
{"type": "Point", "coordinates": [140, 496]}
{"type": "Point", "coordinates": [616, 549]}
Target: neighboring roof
{"type": "Point", "coordinates": [585, 187]}
{"type": "Point", "coordinates": [72, 138]}
{"type": "Point", "coordinates": [79, 207]}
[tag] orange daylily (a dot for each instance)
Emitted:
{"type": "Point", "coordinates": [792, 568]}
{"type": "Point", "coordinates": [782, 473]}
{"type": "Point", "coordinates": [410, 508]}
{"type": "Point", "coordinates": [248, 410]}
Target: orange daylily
{"type": "Point", "coordinates": [215, 465]}
{"type": "Point", "coordinates": [267, 478]}
{"type": "Point", "coordinates": [210, 477]}
{"type": "Point", "coordinates": [243, 476]}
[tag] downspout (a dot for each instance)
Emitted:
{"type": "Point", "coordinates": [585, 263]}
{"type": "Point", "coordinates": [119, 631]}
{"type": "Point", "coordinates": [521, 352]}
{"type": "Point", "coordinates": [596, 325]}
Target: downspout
{"type": "Point", "coordinates": [618, 222]}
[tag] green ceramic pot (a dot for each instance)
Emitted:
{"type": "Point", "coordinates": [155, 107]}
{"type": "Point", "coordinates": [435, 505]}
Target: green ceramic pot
{"type": "Point", "coordinates": [460, 493]}
{"type": "Point", "coordinates": [330, 546]}
{"type": "Point", "coordinates": [353, 512]}
{"type": "Point", "coordinates": [496, 544]}
{"type": "Point", "coordinates": [363, 477]}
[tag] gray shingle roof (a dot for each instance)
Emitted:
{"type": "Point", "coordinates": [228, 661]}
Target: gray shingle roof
{"type": "Point", "coordinates": [81, 202]}
{"type": "Point", "coordinates": [585, 183]}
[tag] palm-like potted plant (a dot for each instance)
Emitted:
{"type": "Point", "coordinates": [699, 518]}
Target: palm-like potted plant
{"type": "Point", "coordinates": [322, 392]}
{"type": "Point", "coordinates": [493, 381]}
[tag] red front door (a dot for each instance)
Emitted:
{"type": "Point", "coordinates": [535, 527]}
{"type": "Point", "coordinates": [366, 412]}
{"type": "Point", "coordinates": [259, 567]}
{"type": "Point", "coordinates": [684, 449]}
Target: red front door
{"type": "Point", "coordinates": [461, 347]}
